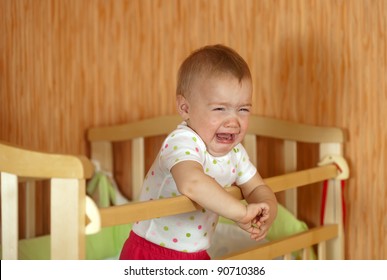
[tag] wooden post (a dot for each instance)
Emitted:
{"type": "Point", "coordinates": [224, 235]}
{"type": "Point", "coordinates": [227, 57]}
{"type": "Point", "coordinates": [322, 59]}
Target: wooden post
{"type": "Point", "coordinates": [290, 158]}
{"type": "Point", "coordinates": [68, 200]}
{"type": "Point", "coordinates": [333, 209]}
{"type": "Point", "coordinates": [9, 216]}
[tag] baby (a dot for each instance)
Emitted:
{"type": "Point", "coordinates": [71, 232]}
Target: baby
{"type": "Point", "coordinates": [201, 157]}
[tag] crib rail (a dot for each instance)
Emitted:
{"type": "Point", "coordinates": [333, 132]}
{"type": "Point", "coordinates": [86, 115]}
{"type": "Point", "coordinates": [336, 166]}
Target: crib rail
{"type": "Point", "coordinates": [284, 246]}
{"type": "Point", "coordinates": [139, 129]}
{"type": "Point", "coordinates": [259, 125]}
{"type": "Point", "coordinates": [292, 131]}
{"type": "Point", "coordinates": [67, 175]}
{"type": "Point", "coordinates": [145, 210]}
{"type": "Point", "coordinates": [33, 164]}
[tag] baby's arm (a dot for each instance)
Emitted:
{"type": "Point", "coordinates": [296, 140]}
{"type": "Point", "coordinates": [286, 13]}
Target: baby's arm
{"type": "Point", "coordinates": [192, 182]}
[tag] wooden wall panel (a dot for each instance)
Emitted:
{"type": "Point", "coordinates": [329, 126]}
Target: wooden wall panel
{"type": "Point", "coordinates": [68, 65]}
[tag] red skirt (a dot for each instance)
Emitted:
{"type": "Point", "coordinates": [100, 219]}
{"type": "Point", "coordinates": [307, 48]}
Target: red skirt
{"type": "Point", "coordinates": [138, 248]}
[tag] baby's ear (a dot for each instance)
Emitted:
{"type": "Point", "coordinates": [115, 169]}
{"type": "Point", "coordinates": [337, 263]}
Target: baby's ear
{"type": "Point", "coordinates": [182, 107]}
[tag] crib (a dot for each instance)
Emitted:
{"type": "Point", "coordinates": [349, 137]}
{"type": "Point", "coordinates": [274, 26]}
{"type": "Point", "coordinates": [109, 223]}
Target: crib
{"type": "Point", "coordinates": [326, 241]}
{"type": "Point", "coordinates": [67, 175]}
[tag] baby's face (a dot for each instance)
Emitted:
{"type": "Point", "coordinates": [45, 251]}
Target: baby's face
{"type": "Point", "coordinates": [219, 110]}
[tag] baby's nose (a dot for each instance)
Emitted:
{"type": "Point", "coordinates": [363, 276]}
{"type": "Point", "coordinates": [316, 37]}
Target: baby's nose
{"type": "Point", "coordinates": [232, 122]}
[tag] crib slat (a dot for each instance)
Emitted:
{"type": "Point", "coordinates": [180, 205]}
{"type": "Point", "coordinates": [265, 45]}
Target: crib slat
{"type": "Point", "coordinates": [138, 166]}
{"type": "Point", "coordinates": [102, 152]}
{"type": "Point", "coordinates": [305, 253]}
{"type": "Point", "coordinates": [102, 157]}
{"type": "Point", "coordinates": [68, 219]}
{"type": "Point", "coordinates": [250, 144]}
{"type": "Point", "coordinates": [285, 245]}
{"type": "Point", "coordinates": [9, 216]}
{"type": "Point", "coordinates": [290, 158]}
{"type": "Point", "coordinates": [321, 251]}
{"type": "Point", "coordinates": [30, 208]}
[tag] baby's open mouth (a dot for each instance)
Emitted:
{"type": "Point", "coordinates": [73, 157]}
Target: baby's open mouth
{"type": "Point", "coordinates": [225, 137]}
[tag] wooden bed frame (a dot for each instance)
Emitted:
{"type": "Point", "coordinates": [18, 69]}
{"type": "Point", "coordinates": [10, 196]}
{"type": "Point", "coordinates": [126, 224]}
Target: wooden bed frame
{"type": "Point", "coordinates": [68, 175]}
{"type": "Point", "coordinates": [330, 142]}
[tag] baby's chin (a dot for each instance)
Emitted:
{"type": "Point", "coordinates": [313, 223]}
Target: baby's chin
{"type": "Point", "coordinates": [221, 151]}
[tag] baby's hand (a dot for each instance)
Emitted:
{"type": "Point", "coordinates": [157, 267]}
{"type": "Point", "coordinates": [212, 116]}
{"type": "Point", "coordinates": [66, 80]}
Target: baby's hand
{"type": "Point", "coordinates": [264, 213]}
{"type": "Point", "coordinates": [254, 221]}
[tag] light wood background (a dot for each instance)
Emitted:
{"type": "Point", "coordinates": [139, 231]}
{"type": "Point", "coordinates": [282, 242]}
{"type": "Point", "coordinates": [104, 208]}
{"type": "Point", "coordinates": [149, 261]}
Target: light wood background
{"type": "Point", "coordinates": [68, 65]}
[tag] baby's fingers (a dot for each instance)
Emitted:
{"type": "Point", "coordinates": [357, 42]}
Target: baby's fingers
{"type": "Point", "coordinates": [264, 215]}
{"type": "Point", "coordinates": [259, 233]}
{"type": "Point", "coordinates": [255, 228]}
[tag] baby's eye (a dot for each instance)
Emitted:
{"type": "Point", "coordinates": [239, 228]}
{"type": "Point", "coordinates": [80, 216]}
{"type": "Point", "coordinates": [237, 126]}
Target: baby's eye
{"type": "Point", "coordinates": [244, 109]}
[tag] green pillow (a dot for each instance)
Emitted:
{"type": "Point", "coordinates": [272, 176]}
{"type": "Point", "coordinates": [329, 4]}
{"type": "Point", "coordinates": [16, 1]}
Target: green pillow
{"type": "Point", "coordinates": [285, 224]}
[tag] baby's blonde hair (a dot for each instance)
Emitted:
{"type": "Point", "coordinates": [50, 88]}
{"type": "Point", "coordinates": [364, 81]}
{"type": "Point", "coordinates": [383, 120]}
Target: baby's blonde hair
{"type": "Point", "coordinates": [210, 61]}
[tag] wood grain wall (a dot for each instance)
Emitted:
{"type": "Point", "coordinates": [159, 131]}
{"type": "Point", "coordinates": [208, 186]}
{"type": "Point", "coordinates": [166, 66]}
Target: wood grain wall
{"type": "Point", "coordinates": [68, 65]}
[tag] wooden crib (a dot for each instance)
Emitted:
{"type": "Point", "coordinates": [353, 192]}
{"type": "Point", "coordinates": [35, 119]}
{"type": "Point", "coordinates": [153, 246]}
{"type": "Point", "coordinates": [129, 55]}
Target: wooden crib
{"type": "Point", "coordinates": [328, 237]}
{"type": "Point", "coordinates": [68, 175]}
